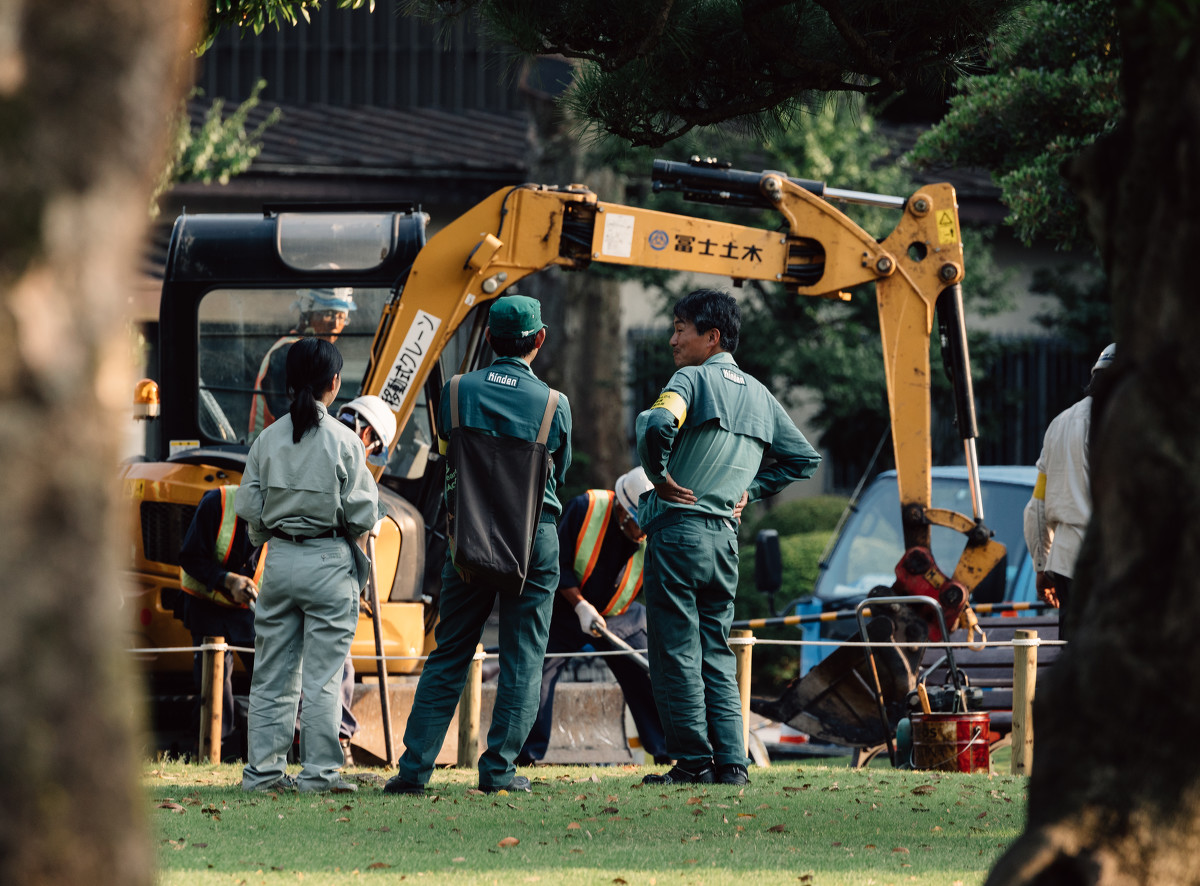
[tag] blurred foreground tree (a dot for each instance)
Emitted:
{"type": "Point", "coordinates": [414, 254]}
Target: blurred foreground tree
{"type": "Point", "coordinates": [85, 95]}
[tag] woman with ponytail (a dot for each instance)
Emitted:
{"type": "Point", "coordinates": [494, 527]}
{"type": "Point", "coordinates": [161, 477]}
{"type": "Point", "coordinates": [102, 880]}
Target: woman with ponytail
{"type": "Point", "coordinates": [308, 492]}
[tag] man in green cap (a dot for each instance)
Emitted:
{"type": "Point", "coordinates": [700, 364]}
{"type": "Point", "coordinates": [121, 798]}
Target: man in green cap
{"type": "Point", "coordinates": [505, 399]}
{"type": "Point", "coordinates": [714, 440]}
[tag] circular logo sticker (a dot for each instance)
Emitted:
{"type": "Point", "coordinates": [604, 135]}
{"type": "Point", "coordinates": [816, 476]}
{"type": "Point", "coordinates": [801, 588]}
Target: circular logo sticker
{"type": "Point", "coordinates": [659, 240]}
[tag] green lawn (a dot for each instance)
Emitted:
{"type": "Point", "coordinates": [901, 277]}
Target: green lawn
{"type": "Point", "coordinates": [796, 823]}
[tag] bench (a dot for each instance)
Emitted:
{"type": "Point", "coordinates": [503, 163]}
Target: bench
{"type": "Point", "coordinates": [987, 672]}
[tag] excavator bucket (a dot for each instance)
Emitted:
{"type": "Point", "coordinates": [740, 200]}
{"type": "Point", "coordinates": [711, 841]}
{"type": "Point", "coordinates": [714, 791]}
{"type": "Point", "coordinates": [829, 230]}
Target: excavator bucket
{"type": "Point", "coordinates": [837, 702]}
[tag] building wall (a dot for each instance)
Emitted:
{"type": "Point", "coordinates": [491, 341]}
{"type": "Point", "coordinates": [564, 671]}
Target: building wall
{"type": "Point", "coordinates": [354, 57]}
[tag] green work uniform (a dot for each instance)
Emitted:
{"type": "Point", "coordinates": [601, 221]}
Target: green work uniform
{"type": "Point", "coordinates": [719, 433]}
{"type": "Point", "coordinates": [506, 398]}
{"type": "Point", "coordinates": [307, 607]}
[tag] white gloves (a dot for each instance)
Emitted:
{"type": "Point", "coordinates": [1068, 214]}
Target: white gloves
{"type": "Point", "coordinates": [588, 614]}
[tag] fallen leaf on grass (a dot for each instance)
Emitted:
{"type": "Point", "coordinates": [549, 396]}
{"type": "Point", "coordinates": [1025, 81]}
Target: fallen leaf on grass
{"type": "Point", "coordinates": [610, 810]}
{"type": "Point", "coordinates": [747, 815]}
{"type": "Point", "coordinates": [508, 842]}
{"type": "Point", "coordinates": [924, 789]}
{"type": "Point", "coordinates": [573, 826]}
{"type": "Point", "coordinates": [199, 845]}
{"type": "Point", "coordinates": [174, 807]}
{"type": "Point", "coordinates": [777, 829]}
{"type": "Point", "coordinates": [692, 801]}
{"type": "Point", "coordinates": [900, 849]}
{"type": "Point", "coordinates": [618, 880]}
{"type": "Point", "coordinates": [475, 792]}
{"type": "Point", "coordinates": [378, 865]}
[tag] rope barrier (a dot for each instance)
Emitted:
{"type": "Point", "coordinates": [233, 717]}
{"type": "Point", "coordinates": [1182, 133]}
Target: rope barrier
{"type": "Point", "coordinates": [733, 641]}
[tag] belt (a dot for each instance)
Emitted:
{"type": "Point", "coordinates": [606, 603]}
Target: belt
{"type": "Point", "coordinates": [300, 539]}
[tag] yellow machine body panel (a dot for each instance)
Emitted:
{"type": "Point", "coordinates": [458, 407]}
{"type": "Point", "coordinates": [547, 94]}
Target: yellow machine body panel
{"type": "Point", "coordinates": [163, 497]}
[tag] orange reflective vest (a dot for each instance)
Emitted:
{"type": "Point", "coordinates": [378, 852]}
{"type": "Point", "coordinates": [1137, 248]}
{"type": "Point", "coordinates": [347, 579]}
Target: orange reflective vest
{"type": "Point", "coordinates": [223, 548]}
{"type": "Point", "coordinates": [587, 551]}
{"type": "Point", "coordinates": [260, 413]}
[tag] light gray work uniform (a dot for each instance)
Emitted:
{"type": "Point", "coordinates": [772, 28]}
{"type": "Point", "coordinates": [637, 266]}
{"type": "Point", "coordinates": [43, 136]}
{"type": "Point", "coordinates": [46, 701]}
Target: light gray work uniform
{"type": "Point", "coordinates": [311, 500]}
{"type": "Point", "coordinates": [710, 429]}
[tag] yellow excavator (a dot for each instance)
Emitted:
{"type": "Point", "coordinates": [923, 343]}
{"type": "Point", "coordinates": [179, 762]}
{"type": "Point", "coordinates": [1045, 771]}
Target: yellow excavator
{"type": "Point", "coordinates": [235, 284]}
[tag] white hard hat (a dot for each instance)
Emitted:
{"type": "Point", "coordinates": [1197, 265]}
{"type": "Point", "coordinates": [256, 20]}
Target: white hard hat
{"type": "Point", "coordinates": [1106, 357]}
{"type": "Point", "coordinates": [338, 298]}
{"type": "Point", "coordinates": [377, 414]}
{"type": "Point", "coordinates": [629, 488]}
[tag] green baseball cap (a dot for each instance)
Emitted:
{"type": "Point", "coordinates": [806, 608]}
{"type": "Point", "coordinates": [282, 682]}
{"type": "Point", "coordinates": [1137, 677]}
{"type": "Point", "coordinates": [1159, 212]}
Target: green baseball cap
{"type": "Point", "coordinates": [516, 316]}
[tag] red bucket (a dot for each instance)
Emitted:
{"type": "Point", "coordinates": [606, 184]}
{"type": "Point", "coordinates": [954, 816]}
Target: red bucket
{"type": "Point", "coordinates": [951, 742]}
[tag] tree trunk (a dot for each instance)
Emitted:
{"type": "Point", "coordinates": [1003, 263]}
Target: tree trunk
{"type": "Point", "coordinates": [585, 352]}
{"type": "Point", "coordinates": [1114, 797]}
{"type": "Point", "coordinates": [85, 93]}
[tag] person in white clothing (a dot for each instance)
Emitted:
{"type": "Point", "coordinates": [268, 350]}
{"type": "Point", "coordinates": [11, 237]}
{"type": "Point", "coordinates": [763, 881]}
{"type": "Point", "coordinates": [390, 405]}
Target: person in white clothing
{"type": "Point", "coordinates": [1058, 513]}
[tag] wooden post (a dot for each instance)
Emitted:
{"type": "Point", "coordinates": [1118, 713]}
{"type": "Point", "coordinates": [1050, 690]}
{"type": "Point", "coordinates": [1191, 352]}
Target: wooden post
{"type": "Point", "coordinates": [743, 652]}
{"type": "Point", "coordinates": [1024, 685]}
{"type": "Point", "coordinates": [212, 700]}
{"type": "Point", "coordinates": [468, 712]}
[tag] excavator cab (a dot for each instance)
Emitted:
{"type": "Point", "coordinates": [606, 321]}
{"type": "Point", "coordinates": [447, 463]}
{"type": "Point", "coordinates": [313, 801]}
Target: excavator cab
{"type": "Point", "coordinates": [236, 289]}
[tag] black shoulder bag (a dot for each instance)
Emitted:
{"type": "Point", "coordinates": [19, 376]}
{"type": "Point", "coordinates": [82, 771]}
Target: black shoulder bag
{"type": "Point", "coordinates": [494, 491]}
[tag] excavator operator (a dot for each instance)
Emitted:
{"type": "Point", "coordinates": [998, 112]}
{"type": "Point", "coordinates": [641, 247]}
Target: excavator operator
{"type": "Point", "coordinates": [323, 313]}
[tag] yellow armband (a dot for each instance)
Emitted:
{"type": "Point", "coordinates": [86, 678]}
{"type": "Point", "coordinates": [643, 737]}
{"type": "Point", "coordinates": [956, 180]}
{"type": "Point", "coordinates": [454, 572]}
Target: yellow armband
{"type": "Point", "coordinates": [674, 404]}
{"type": "Point", "coordinates": [1039, 488]}
{"type": "Point", "coordinates": [443, 445]}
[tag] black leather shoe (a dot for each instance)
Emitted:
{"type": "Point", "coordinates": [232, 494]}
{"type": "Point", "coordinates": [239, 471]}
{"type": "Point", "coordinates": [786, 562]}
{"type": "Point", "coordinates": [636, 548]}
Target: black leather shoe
{"type": "Point", "coordinates": [732, 773]}
{"type": "Point", "coordinates": [397, 785]}
{"type": "Point", "coordinates": [679, 775]}
{"type": "Point", "coordinates": [519, 783]}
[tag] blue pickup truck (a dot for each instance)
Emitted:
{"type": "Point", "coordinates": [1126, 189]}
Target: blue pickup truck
{"type": "Point", "coordinates": [870, 543]}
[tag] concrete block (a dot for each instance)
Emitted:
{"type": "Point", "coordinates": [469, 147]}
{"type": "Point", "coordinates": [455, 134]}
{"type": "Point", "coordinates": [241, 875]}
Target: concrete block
{"type": "Point", "coordinates": [588, 726]}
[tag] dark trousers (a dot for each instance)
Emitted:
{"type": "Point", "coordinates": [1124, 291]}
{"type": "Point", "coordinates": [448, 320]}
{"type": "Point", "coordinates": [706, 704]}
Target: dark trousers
{"type": "Point", "coordinates": [204, 619]}
{"type": "Point", "coordinates": [690, 582]}
{"type": "Point", "coordinates": [524, 627]}
{"type": "Point", "coordinates": [1062, 588]}
{"type": "Point", "coordinates": [566, 637]}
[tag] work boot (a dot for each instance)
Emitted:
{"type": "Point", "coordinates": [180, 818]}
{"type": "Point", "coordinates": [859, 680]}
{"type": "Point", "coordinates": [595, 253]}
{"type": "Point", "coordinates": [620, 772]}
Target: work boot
{"type": "Point", "coordinates": [519, 783]}
{"type": "Point", "coordinates": [347, 754]}
{"type": "Point", "coordinates": [397, 785]}
{"type": "Point", "coordinates": [732, 773]}
{"type": "Point", "coordinates": [679, 775]}
{"type": "Point", "coordinates": [281, 784]}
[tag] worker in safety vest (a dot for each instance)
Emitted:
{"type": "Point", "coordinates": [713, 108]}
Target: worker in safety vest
{"type": "Point", "coordinates": [324, 313]}
{"type": "Point", "coordinates": [219, 571]}
{"type": "Point", "coordinates": [601, 549]}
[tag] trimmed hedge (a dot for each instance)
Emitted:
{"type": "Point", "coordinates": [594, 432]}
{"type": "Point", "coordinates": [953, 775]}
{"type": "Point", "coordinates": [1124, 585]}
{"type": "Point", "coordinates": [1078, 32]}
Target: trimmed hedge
{"type": "Point", "coordinates": [816, 514]}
